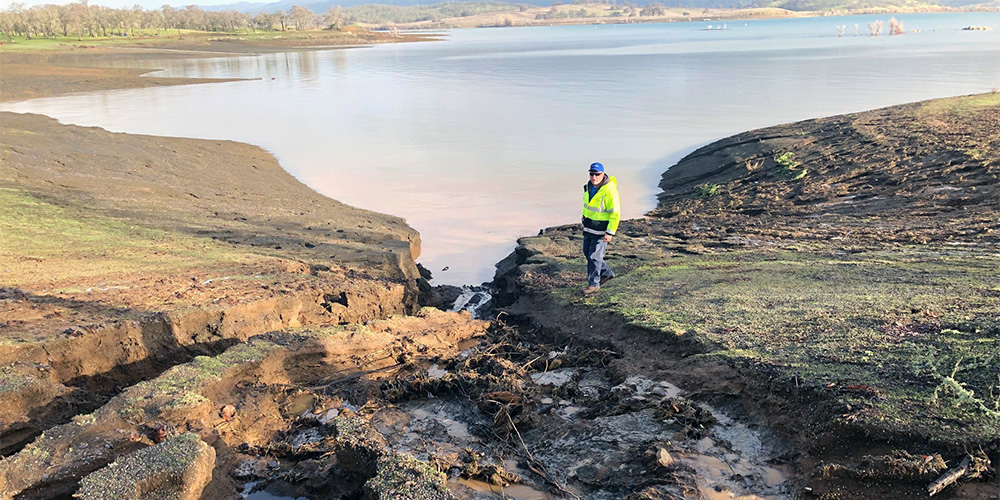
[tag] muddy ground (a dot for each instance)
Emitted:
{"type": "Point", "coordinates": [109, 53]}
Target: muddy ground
{"type": "Point", "coordinates": [182, 319]}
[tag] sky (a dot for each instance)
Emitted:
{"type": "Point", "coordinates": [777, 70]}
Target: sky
{"type": "Point", "coordinates": [146, 4]}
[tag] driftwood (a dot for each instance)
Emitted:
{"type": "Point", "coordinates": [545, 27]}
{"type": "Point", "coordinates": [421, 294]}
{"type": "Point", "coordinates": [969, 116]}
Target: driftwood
{"type": "Point", "coordinates": [949, 477]}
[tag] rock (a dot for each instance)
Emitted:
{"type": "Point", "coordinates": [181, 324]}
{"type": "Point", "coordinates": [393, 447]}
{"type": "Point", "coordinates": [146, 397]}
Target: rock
{"type": "Point", "coordinates": [663, 458]}
{"type": "Point", "coordinates": [178, 468]}
{"type": "Point", "coordinates": [592, 474]}
{"type": "Point", "coordinates": [227, 413]}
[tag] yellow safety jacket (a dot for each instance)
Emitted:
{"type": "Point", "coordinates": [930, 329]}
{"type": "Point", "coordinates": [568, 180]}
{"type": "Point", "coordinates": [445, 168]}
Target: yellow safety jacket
{"type": "Point", "coordinates": [602, 212]}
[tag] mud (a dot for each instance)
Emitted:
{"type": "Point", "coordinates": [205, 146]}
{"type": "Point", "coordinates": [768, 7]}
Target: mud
{"type": "Point", "coordinates": [498, 428]}
{"type": "Point", "coordinates": [909, 180]}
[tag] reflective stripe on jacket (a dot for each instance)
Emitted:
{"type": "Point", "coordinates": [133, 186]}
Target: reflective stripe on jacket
{"type": "Point", "coordinates": [602, 212]}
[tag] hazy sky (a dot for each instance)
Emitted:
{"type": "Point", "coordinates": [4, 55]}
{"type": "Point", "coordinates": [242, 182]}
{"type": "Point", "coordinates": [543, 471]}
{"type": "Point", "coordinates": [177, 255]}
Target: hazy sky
{"type": "Point", "coordinates": [147, 4]}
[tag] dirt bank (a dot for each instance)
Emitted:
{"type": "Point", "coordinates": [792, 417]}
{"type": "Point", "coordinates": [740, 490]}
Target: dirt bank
{"type": "Point", "coordinates": [837, 278]}
{"type": "Point", "coordinates": [127, 254]}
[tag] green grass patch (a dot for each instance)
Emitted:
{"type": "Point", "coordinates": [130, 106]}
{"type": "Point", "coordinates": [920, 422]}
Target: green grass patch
{"type": "Point", "coordinates": [707, 190]}
{"type": "Point", "coordinates": [962, 104]}
{"type": "Point", "coordinates": [68, 242]}
{"type": "Point", "coordinates": [59, 42]}
{"type": "Point", "coordinates": [790, 167]}
{"type": "Point", "coordinates": [159, 38]}
{"type": "Point", "coordinates": [909, 339]}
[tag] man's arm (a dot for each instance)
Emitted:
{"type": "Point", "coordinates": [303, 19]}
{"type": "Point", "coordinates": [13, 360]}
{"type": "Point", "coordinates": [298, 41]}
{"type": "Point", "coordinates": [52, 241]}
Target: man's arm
{"type": "Point", "coordinates": [616, 215]}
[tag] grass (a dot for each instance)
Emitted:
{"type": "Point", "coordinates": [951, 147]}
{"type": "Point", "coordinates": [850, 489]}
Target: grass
{"type": "Point", "coordinates": [401, 475]}
{"type": "Point", "coordinates": [908, 339]}
{"type": "Point", "coordinates": [20, 43]}
{"type": "Point", "coordinates": [73, 244]}
{"type": "Point", "coordinates": [163, 465]}
{"type": "Point", "coordinates": [790, 166]}
{"type": "Point", "coordinates": [961, 104]}
{"type": "Point", "coordinates": [158, 38]}
{"type": "Point", "coordinates": [707, 190]}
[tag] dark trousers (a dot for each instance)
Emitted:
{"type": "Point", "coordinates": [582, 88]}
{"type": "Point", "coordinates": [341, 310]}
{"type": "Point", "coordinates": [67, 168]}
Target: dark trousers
{"type": "Point", "coordinates": [593, 250]}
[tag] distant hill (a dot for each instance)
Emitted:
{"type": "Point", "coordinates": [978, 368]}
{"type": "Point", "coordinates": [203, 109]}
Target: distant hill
{"type": "Point", "coordinates": [796, 5]}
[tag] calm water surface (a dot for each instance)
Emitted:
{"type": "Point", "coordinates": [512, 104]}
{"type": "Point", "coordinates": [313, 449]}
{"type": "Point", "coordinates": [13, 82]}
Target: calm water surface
{"type": "Point", "coordinates": [487, 135]}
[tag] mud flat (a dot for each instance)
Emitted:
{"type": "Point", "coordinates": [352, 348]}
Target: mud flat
{"type": "Point", "coordinates": [90, 65]}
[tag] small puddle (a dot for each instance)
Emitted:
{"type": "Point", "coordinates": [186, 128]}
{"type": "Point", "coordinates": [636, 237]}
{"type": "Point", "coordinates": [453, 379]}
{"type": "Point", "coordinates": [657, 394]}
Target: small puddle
{"type": "Point", "coordinates": [512, 492]}
{"type": "Point", "coordinates": [298, 404]}
{"type": "Point", "coordinates": [246, 494]}
{"type": "Point", "coordinates": [454, 428]}
{"type": "Point", "coordinates": [734, 457]}
{"type": "Point", "coordinates": [435, 371]}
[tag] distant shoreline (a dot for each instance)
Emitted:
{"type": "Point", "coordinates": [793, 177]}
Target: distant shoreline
{"type": "Point", "coordinates": [529, 17]}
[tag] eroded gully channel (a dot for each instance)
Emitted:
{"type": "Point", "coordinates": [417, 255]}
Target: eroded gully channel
{"type": "Point", "coordinates": [505, 409]}
{"type": "Point", "coordinates": [529, 413]}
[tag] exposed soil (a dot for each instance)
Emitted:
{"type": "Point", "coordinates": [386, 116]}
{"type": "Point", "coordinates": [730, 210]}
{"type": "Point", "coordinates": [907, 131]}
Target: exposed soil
{"type": "Point", "coordinates": [222, 244]}
{"type": "Point", "coordinates": [269, 383]}
{"type": "Point", "coordinates": [269, 322]}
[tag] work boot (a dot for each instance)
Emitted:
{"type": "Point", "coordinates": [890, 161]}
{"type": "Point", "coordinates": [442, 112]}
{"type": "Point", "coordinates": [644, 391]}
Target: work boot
{"type": "Point", "coordinates": [605, 279]}
{"type": "Point", "coordinates": [590, 290]}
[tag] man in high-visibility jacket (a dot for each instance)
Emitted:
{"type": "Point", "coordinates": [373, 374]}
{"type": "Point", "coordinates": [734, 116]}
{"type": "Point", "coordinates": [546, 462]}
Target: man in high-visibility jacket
{"type": "Point", "coordinates": [601, 213]}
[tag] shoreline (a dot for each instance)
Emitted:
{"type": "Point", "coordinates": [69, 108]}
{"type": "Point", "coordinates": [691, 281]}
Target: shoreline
{"type": "Point", "coordinates": [250, 251]}
{"type": "Point", "coordinates": [675, 15]}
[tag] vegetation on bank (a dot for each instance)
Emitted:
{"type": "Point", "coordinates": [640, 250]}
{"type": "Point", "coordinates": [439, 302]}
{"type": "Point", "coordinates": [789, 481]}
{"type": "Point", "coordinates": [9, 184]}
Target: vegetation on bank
{"type": "Point", "coordinates": [901, 342]}
{"type": "Point", "coordinates": [82, 21]}
{"type": "Point", "coordinates": [75, 245]}
{"type": "Point", "coordinates": [865, 292]}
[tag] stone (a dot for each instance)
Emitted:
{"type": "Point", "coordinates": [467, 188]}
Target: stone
{"type": "Point", "coordinates": [177, 469]}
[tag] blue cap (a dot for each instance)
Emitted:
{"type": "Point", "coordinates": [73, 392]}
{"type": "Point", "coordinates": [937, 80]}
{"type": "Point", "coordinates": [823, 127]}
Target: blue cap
{"type": "Point", "coordinates": [596, 167]}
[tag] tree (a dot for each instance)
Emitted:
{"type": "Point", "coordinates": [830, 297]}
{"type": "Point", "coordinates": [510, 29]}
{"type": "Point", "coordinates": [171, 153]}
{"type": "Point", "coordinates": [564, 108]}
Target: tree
{"type": "Point", "coordinates": [12, 19]}
{"type": "Point", "coordinates": [81, 18]}
{"type": "Point", "coordinates": [102, 18]}
{"type": "Point", "coordinates": [301, 17]}
{"type": "Point", "coordinates": [653, 9]}
{"type": "Point", "coordinates": [334, 18]}
{"type": "Point", "coordinates": [263, 21]}
{"type": "Point", "coordinates": [282, 18]}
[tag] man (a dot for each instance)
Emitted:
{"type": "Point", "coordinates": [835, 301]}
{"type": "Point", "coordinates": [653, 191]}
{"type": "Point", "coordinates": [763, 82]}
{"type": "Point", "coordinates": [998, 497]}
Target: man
{"type": "Point", "coordinates": [601, 213]}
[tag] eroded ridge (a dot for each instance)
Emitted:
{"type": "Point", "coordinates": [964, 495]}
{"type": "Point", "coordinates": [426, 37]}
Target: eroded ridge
{"type": "Point", "coordinates": [240, 398]}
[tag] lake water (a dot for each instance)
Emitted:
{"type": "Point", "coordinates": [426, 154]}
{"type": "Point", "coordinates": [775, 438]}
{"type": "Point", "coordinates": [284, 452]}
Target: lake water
{"type": "Point", "coordinates": [486, 136]}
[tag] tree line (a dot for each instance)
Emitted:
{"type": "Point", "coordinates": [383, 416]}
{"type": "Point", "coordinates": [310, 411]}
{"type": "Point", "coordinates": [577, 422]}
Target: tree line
{"type": "Point", "coordinates": [81, 19]}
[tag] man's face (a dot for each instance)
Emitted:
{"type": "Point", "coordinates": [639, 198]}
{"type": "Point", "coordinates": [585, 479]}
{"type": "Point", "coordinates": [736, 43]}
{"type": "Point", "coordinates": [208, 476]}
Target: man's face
{"type": "Point", "coordinates": [596, 177]}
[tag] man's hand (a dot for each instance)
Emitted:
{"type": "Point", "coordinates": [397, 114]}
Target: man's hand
{"type": "Point", "coordinates": [607, 238]}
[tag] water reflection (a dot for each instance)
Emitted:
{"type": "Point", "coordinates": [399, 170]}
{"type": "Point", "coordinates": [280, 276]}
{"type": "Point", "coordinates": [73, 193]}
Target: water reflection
{"type": "Point", "coordinates": [486, 136]}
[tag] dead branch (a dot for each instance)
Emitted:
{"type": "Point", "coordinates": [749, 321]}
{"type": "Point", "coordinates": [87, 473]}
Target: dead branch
{"type": "Point", "coordinates": [949, 477]}
{"type": "Point", "coordinates": [537, 466]}
{"type": "Point", "coordinates": [327, 383]}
